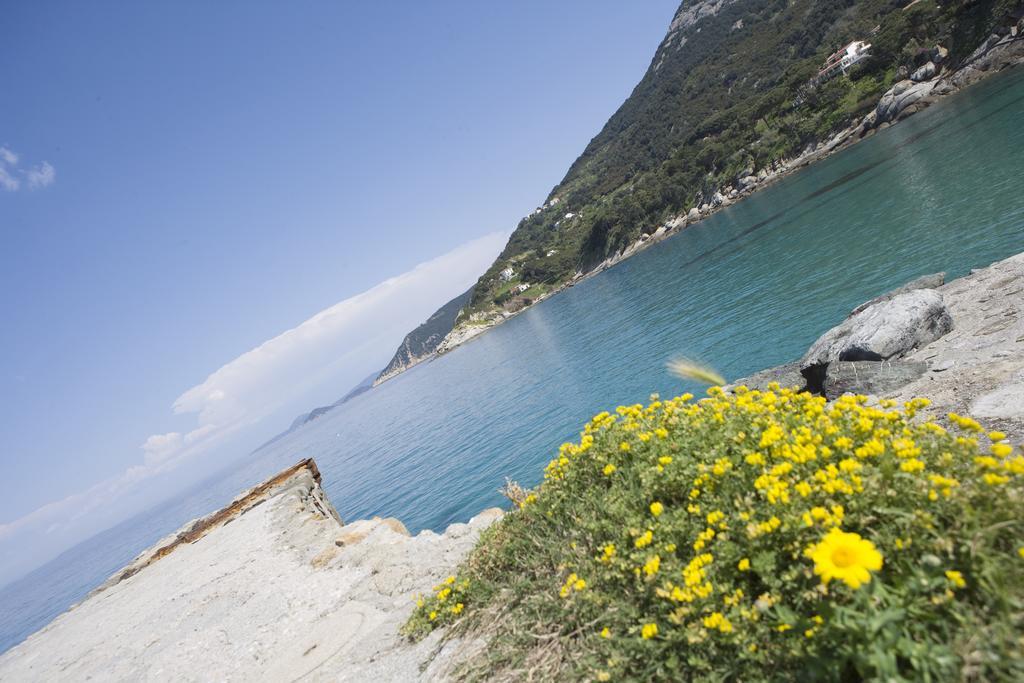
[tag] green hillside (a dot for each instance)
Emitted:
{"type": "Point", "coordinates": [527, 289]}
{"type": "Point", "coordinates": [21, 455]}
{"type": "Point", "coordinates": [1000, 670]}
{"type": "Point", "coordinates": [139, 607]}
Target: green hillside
{"type": "Point", "coordinates": [725, 95]}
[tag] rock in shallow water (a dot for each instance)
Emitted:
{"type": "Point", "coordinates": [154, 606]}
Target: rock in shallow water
{"type": "Point", "coordinates": [900, 97]}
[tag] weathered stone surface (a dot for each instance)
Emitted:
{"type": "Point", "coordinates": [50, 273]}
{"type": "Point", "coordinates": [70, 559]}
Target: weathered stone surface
{"type": "Point", "coordinates": [883, 331]}
{"type": "Point", "coordinates": [925, 73]}
{"type": "Point", "coordinates": [260, 591]}
{"type": "Point", "coordinates": [900, 97]}
{"type": "Point", "coordinates": [982, 371]}
{"type": "Point", "coordinates": [924, 282]}
{"type": "Point", "coordinates": [787, 375]}
{"type": "Point", "coordinates": [747, 182]}
{"type": "Point", "coordinates": [869, 376]}
{"type": "Point", "coordinates": [994, 54]}
{"type": "Point", "coordinates": [1006, 401]}
{"type": "Point", "coordinates": [693, 215]}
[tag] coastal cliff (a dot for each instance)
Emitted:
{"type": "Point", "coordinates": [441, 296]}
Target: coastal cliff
{"type": "Point", "coordinates": [422, 342]}
{"type": "Point", "coordinates": [685, 145]}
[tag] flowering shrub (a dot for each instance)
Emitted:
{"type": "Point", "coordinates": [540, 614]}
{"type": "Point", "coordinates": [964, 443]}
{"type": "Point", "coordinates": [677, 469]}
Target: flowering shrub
{"type": "Point", "coordinates": [758, 535]}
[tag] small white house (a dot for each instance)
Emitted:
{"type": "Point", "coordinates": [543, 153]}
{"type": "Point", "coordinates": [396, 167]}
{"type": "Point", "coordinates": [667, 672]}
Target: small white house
{"type": "Point", "coordinates": [841, 60]}
{"type": "Point", "coordinates": [506, 274]}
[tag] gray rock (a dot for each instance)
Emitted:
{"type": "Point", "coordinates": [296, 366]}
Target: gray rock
{"type": "Point", "coordinates": [900, 97]}
{"type": "Point", "coordinates": [1006, 402]}
{"type": "Point", "coordinates": [994, 54]}
{"type": "Point", "coordinates": [925, 73]}
{"type": "Point", "coordinates": [693, 215]}
{"type": "Point", "coordinates": [883, 331]}
{"type": "Point", "coordinates": [869, 376]}
{"type": "Point", "coordinates": [747, 181]}
{"type": "Point", "coordinates": [787, 375]}
{"type": "Point", "coordinates": [924, 282]}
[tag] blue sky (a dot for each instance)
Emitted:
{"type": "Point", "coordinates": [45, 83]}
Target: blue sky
{"type": "Point", "coordinates": [182, 182]}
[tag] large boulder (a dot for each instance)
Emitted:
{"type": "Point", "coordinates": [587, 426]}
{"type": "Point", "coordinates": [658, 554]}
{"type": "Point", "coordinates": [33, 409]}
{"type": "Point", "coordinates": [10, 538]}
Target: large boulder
{"type": "Point", "coordinates": [925, 73]}
{"type": "Point", "coordinates": [886, 330]}
{"type": "Point", "coordinates": [924, 282]}
{"type": "Point", "coordinates": [899, 98]}
{"type": "Point", "coordinates": [869, 376]}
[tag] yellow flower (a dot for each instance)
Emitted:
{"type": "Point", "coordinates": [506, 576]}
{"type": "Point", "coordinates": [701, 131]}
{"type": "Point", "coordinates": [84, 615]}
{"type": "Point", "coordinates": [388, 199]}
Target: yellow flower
{"type": "Point", "coordinates": [1001, 450]}
{"type": "Point", "coordinates": [956, 577]}
{"type": "Point", "coordinates": [657, 508]}
{"type": "Point", "coordinates": [912, 465]}
{"type": "Point", "coordinates": [432, 616]}
{"type": "Point", "coordinates": [649, 631]}
{"type": "Point", "coordinates": [608, 469]}
{"type": "Point", "coordinates": [847, 557]}
{"type": "Point", "coordinates": [744, 565]}
{"type": "Point", "coordinates": [457, 609]}
{"type": "Point", "coordinates": [996, 436]}
{"type": "Point", "coordinates": [450, 580]}
{"type": "Point", "coordinates": [624, 446]}
{"type": "Point", "coordinates": [609, 553]}
{"type": "Point", "coordinates": [652, 565]}
{"type": "Point", "coordinates": [644, 539]}
{"type": "Point", "coordinates": [716, 620]}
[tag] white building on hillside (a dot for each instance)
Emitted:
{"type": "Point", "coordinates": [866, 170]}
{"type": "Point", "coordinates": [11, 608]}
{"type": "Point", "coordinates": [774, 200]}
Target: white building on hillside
{"type": "Point", "coordinates": [840, 61]}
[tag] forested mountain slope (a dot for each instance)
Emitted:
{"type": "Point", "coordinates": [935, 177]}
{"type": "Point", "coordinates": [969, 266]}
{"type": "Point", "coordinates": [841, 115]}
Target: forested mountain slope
{"type": "Point", "coordinates": [729, 93]}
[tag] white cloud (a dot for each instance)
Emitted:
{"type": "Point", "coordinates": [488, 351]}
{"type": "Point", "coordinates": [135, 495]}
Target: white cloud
{"type": "Point", "coordinates": [40, 176]}
{"type": "Point", "coordinates": [36, 177]}
{"type": "Point", "coordinates": [321, 357]}
{"type": "Point", "coordinates": [9, 182]}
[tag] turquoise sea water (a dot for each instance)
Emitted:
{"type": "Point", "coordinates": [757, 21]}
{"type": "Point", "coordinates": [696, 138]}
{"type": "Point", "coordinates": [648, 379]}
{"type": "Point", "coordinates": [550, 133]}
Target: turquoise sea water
{"type": "Point", "coordinates": [750, 287]}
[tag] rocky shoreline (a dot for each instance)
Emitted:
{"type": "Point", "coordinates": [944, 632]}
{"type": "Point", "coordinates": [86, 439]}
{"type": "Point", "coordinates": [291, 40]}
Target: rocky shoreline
{"type": "Point", "coordinates": [913, 94]}
{"type": "Point", "coordinates": [960, 344]}
{"type": "Point", "coordinates": [275, 586]}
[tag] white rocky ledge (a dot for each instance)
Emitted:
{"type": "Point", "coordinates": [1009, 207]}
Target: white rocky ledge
{"type": "Point", "coordinates": [273, 587]}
